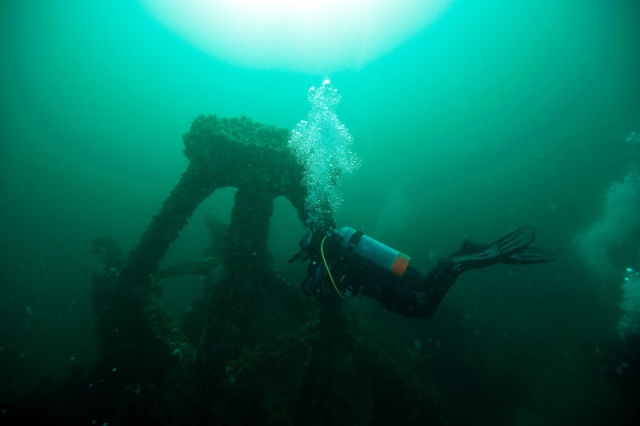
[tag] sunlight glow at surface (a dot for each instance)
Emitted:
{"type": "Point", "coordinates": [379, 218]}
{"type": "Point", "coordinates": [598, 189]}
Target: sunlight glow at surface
{"type": "Point", "coordinates": [302, 35]}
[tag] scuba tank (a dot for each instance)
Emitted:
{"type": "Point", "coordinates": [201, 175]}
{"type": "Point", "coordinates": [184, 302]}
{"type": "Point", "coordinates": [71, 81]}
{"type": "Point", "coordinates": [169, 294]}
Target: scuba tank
{"type": "Point", "coordinates": [374, 251]}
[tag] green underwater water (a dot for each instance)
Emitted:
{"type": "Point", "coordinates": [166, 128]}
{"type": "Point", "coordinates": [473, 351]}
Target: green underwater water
{"type": "Point", "coordinates": [495, 116]}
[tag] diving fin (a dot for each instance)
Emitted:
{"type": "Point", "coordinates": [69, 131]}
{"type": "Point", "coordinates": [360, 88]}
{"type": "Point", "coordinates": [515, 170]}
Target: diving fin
{"type": "Point", "coordinates": [529, 255]}
{"type": "Point", "coordinates": [490, 254]}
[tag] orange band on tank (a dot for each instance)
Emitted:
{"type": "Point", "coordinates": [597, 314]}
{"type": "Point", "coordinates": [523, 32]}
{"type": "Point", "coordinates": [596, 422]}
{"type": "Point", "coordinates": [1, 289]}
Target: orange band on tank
{"type": "Point", "coordinates": [400, 265]}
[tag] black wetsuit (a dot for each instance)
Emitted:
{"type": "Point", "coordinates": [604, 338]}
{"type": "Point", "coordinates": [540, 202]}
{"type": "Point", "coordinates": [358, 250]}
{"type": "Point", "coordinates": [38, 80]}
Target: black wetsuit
{"type": "Point", "coordinates": [412, 294]}
{"type": "Point", "coordinates": [353, 264]}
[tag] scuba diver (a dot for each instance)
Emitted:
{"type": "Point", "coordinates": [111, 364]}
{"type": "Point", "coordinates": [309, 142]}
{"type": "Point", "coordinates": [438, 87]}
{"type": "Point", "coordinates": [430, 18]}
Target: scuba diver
{"type": "Point", "coordinates": [350, 263]}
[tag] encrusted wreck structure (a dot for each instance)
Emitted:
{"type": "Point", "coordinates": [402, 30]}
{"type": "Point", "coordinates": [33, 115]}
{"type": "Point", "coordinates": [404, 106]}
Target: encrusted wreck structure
{"type": "Point", "coordinates": [262, 353]}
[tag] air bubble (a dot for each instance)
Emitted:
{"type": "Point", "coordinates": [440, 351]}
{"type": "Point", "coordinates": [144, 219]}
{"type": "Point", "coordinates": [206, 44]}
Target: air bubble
{"type": "Point", "coordinates": [322, 144]}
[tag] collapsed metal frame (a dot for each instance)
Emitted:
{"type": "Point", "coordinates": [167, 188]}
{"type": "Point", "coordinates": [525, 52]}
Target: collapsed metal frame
{"type": "Point", "coordinates": [265, 353]}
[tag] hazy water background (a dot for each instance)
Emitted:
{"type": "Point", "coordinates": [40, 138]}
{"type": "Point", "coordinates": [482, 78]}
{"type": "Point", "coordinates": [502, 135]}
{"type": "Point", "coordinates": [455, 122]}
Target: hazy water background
{"type": "Point", "coordinates": [499, 114]}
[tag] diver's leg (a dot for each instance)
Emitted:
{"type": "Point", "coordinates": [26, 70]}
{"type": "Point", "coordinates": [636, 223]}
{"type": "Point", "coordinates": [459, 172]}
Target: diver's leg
{"type": "Point", "coordinates": [416, 295]}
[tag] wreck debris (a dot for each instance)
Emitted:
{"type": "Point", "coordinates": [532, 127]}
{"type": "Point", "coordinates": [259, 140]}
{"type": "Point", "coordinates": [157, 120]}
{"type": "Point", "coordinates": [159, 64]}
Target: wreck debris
{"type": "Point", "coordinates": [265, 353]}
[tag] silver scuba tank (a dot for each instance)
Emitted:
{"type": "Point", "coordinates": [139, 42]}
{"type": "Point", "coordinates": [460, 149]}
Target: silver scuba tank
{"type": "Point", "coordinates": [374, 251]}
